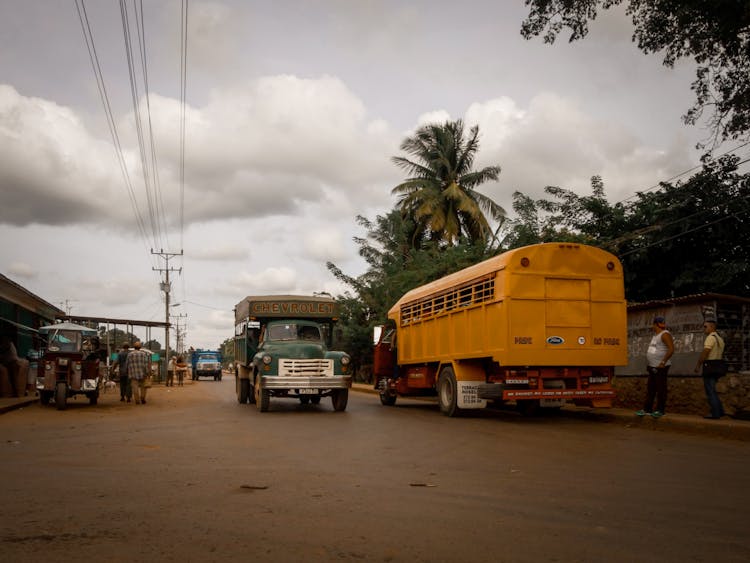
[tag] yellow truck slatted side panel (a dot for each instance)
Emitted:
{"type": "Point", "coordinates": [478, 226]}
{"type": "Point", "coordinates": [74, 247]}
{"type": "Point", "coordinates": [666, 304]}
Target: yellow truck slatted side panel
{"type": "Point", "coordinates": [544, 305]}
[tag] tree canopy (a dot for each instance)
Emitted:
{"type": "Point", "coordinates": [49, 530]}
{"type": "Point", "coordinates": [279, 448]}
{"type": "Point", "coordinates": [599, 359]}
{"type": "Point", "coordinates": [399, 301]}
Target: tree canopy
{"type": "Point", "coordinates": [440, 193]}
{"type": "Point", "coordinates": [715, 34]}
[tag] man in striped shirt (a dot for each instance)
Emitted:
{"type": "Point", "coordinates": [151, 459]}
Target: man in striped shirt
{"type": "Point", "coordinates": [138, 366]}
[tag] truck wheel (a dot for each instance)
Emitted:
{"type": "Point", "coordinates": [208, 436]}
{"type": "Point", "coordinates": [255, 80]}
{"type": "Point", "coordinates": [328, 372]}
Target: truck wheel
{"type": "Point", "coordinates": [262, 396]}
{"type": "Point", "coordinates": [243, 391]}
{"type": "Point", "coordinates": [61, 395]}
{"type": "Point", "coordinates": [304, 400]}
{"type": "Point", "coordinates": [388, 398]}
{"type": "Point", "coordinates": [339, 399]}
{"type": "Point", "coordinates": [528, 407]}
{"type": "Point", "coordinates": [315, 399]}
{"type": "Point", "coordinates": [448, 392]}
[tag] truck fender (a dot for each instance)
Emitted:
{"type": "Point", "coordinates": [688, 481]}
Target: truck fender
{"type": "Point", "coordinates": [469, 376]}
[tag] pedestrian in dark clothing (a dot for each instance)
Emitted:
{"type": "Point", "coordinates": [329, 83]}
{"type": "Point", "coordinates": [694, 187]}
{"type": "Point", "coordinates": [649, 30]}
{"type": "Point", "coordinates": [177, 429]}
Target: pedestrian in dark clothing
{"type": "Point", "coordinates": [713, 353]}
{"type": "Point", "coordinates": [126, 391]}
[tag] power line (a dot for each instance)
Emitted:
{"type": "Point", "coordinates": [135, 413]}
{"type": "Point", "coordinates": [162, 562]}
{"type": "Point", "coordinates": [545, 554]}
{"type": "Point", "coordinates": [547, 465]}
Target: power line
{"type": "Point", "coordinates": [101, 86]}
{"type": "Point", "coordinates": [183, 98]}
{"type": "Point", "coordinates": [688, 171]}
{"type": "Point", "coordinates": [155, 227]}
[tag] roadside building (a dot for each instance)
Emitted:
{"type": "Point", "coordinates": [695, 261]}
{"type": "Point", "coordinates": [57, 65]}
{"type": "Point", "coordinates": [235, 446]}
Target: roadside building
{"type": "Point", "coordinates": [21, 315]}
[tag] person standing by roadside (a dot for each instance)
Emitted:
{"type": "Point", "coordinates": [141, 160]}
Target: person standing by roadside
{"type": "Point", "coordinates": [181, 367]}
{"type": "Point", "coordinates": [713, 366]}
{"type": "Point", "coordinates": [171, 367]}
{"type": "Point", "coordinates": [138, 368]}
{"type": "Point", "coordinates": [126, 392]}
{"type": "Point", "coordinates": [658, 361]}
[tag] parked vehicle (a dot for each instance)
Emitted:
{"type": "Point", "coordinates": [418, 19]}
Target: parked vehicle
{"type": "Point", "coordinates": [282, 349]}
{"type": "Point", "coordinates": [206, 363]}
{"type": "Point", "coordinates": [538, 326]}
{"type": "Point", "coordinates": [71, 364]}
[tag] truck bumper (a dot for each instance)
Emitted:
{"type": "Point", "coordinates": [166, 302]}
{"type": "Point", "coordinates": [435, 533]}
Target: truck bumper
{"type": "Point", "coordinates": [294, 382]}
{"type": "Point", "coordinates": [500, 392]}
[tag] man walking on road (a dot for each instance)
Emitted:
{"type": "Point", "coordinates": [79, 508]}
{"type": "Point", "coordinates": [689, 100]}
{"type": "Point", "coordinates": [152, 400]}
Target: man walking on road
{"type": "Point", "coordinates": [139, 369]}
{"type": "Point", "coordinates": [125, 391]}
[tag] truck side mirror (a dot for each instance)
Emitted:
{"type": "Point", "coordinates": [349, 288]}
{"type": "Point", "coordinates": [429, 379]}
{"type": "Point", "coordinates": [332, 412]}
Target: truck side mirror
{"type": "Point", "coordinates": [377, 331]}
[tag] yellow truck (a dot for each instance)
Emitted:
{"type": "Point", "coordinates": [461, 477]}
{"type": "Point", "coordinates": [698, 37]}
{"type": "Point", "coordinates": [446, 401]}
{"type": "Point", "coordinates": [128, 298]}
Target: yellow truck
{"type": "Point", "coordinates": [538, 326]}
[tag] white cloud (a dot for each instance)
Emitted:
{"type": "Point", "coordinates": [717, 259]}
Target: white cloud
{"type": "Point", "coordinates": [324, 244]}
{"type": "Point", "coordinates": [22, 270]}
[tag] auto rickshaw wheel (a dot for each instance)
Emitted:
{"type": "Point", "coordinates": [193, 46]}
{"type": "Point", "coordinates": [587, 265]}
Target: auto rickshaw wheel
{"type": "Point", "coordinates": [45, 397]}
{"type": "Point", "coordinates": [93, 397]}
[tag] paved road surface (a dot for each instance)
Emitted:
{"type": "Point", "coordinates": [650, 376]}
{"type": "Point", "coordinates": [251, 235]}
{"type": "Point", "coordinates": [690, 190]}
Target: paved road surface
{"type": "Point", "coordinates": [193, 476]}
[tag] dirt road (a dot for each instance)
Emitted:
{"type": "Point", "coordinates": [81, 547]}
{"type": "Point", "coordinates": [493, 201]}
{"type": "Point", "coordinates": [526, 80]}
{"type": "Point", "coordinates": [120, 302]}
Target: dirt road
{"type": "Point", "coordinates": [194, 476]}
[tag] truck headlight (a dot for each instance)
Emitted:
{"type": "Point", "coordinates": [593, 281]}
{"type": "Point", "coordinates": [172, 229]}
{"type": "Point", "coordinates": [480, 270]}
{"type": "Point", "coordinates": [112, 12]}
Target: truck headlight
{"type": "Point", "coordinates": [345, 360]}
{"type": "Point", "coordinates": [267, 359]}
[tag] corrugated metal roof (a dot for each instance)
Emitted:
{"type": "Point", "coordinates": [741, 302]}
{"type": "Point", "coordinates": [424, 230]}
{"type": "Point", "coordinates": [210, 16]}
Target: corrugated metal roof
{"type": "Point", "coordinates": [694, 298]}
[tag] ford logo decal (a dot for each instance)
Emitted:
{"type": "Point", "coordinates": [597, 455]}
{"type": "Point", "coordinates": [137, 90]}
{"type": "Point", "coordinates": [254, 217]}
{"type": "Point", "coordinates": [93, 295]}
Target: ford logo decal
{"type": "Point", "coordinates": [555, 340]}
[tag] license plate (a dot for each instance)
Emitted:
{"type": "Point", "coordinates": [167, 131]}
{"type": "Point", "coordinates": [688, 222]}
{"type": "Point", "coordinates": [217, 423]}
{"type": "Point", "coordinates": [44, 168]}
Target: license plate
{"type": "Point", "coordinates": [308, 391]}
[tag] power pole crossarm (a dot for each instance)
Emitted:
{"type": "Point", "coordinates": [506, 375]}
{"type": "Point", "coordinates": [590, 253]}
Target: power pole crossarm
{"type": "Point", "coordinates": [166, 288]}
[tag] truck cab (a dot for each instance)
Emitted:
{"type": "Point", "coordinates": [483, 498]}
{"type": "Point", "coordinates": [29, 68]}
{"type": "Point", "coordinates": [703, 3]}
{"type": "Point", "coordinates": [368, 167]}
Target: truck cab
{"type": "Point", "coordinates": [206, 363]}
{"type": "Point", "coordinates": [283, 350]}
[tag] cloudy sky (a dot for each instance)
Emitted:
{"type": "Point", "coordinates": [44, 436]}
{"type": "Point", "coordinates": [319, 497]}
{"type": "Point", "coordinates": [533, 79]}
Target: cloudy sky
{"type": "Point", "coordinates": [294, 109]}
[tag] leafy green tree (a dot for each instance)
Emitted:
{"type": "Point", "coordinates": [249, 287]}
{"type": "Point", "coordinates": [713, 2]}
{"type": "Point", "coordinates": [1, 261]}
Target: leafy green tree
{"type": "Point", "coordinates": [674, 241]}
{"type": "Point", "coordinates": [440, 193]}
{"type": "Point", "coordinates": [227, 351]}
{"type": "Point", "coordinates": [716, 34]}
{"type": "Point", "coordinates": [690, 237]}
{"type": "Point", "coordinates": [394, 267]}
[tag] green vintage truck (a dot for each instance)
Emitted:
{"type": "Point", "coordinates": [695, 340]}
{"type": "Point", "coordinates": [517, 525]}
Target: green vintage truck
{"type": "Point", "coordinates": [282, 349]}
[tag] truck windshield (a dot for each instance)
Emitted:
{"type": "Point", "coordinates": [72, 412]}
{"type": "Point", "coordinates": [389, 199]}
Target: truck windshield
{"type": "Point", "coordinates": [293, 332]}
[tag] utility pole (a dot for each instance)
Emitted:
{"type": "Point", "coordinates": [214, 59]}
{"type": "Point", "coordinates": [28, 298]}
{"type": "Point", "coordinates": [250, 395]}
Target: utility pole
{"type": "Point", "coordinates": [166, 287]}
{"type": "Point", "coordinates": [67, 305]}
{"type": "Point", "coordinates": [179, 332]}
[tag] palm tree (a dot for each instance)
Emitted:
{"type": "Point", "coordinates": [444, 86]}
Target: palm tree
{"type": "Point", "coordinates": [440, 194]}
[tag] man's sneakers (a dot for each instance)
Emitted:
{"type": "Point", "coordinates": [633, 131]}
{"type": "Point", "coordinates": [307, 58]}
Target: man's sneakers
{"type": "Point", "coordinates": [655, 414]}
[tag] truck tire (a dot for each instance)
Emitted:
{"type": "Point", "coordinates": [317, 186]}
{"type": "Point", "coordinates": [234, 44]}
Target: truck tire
{"type": "Point", "coordinates": [61, 396]}
{"type": "Point", "coordinates": [243, 391]}
{"type": "Point", "coordinates": [528, 407]}
{"type": "Point", "coordinates": [262, 396]}
{"type": "Point", "coordinates": [388, 398]}
{"type": "Point", "coordinates": [339, 399]}
{"type": "Point", "coordinates": [448, 392]}
{"type": "Point", "coordinates": [315, 399]}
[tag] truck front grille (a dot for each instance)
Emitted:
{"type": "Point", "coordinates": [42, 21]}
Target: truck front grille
{"type": "Point", "coordinates": [306, 367]}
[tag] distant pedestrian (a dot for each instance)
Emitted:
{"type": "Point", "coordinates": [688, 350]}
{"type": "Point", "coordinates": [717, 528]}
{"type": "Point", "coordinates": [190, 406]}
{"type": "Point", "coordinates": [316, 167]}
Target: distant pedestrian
{"type": "Point", "coordinates": [713, 367]}
{"type": "Point", "coordinates": [171, 367]}
{"type": "Point", "coordinates": [139, 370]}
{"type": "Point", "coordinates": [181, 368]}
{"type": "Point", "coordinates": [658, 361]}
{"type": "Point", "coordinates": [126, 391]}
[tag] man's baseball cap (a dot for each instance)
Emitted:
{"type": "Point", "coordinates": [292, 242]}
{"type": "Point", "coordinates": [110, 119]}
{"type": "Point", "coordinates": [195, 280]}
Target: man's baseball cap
{"type": "Point", "coordinates": [659, 320]}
